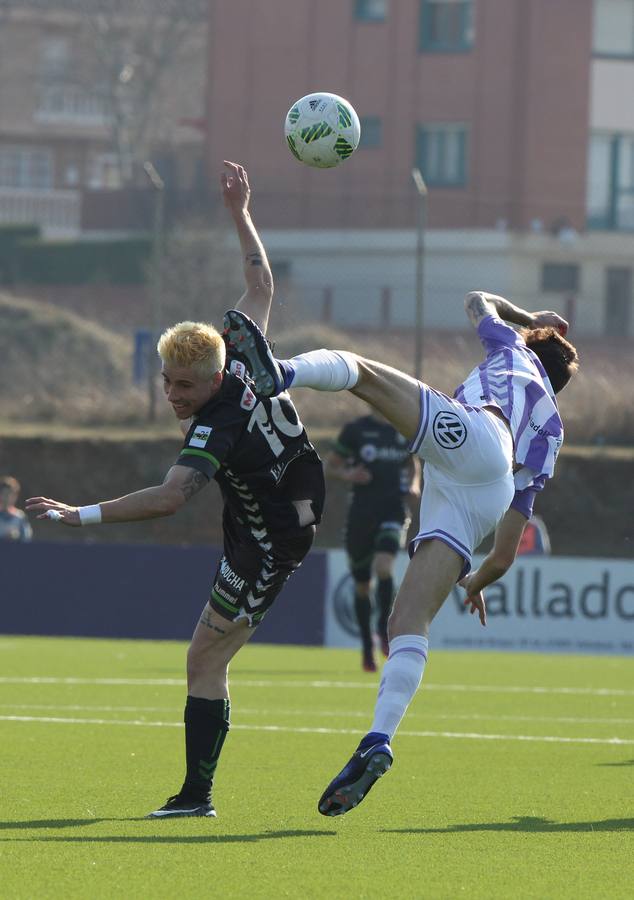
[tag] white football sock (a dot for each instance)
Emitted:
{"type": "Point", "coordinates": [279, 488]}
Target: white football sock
{"type": "Point", "coordinates": [402, 674]}
{"type": "Point", "coordinates": [324, 370]}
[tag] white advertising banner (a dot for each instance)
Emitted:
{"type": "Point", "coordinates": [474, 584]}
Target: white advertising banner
{"type": "Point", "coordinates": [544, 603]}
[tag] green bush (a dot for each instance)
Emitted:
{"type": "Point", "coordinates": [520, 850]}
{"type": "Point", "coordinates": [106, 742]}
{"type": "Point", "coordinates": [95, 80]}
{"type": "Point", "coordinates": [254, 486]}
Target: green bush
{"type": "Point", "coordinates": [78, 262]}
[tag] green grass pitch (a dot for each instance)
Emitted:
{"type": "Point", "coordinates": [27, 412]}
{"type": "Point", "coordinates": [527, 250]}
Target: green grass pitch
{"type": "Point", "coordinates": [513, 777]}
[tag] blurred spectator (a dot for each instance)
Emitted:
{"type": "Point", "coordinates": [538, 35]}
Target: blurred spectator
{"type": "Point", "coordinates": [14, 525]}
{"type": "Point", "coordinates": [535, 540]}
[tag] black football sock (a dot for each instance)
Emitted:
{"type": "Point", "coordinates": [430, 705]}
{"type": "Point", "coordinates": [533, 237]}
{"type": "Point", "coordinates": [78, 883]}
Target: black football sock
{"type": "Point", "coordinates": [385, 596]}
{"type": "Point", "coordinates": [206, 727]}
{"type": "Point", "coordinates": [363, 609]}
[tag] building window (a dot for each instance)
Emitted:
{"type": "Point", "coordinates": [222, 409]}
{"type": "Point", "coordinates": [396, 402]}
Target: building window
{"type": "Point", "coordinates": [613, 33]}
{"type": "Point", "coordinates": [26, 167]}
{"type": "Point", "coordinates": [610, 190]}
{"type": "Point", "coordinates": [104, 172]}
{"type": "Point", "coordinates": [441, 154]}
{"type": "Point", "coordinates": [560, 277]}
{"type": "Point", "coordinates": [618, 302]}
{"type": "Point", "coordinates": [371, 133]}
{"type": "Point", "coordinates": [54, 60]}
{"type": "Point", "coordinates": [370, 10]}
{"type": "Point", "coordinates": [446, 26]}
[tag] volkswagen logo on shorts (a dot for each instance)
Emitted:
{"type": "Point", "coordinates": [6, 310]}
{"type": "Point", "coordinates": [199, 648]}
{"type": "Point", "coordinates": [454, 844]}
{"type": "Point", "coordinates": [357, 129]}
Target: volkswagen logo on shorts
{"type": "Point", "coordinates": [450, 432]}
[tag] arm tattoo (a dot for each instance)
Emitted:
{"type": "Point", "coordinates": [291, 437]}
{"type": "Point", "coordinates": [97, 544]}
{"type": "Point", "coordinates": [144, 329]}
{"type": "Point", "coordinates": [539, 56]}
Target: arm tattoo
{"type": "Point", "coordinates": [255, 259]}
{"type": "Point", "coordinates": [194, 482]}
{"type": "Point", "coordinates": [477, 306]}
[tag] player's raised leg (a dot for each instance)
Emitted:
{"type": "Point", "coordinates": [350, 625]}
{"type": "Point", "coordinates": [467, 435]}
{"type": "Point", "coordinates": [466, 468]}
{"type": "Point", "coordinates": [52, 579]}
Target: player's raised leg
{"type": "Point", "coordinates": [393, 393]}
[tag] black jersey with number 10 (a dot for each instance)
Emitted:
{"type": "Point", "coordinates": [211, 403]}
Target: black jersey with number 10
{"type": "Point", "coordinates": [247, 443]}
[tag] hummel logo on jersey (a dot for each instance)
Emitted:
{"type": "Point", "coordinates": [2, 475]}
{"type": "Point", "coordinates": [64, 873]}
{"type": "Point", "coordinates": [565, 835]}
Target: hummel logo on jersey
{"type": "Point", "coordinates": [200, 436]}
{"type": "Point", "coordinates": [238, 368]}
{"type": "Point", "coordinates": [450, 432]}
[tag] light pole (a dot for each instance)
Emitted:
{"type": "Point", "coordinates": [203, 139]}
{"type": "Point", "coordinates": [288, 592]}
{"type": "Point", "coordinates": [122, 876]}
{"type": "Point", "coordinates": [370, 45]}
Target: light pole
{"type": "Point", "coordinates": [156, 286]}
{"type": "Point", "coordinates": [421, 189]}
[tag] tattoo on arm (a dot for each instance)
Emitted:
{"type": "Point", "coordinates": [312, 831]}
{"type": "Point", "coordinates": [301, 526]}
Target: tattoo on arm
{"type": "Point", "coordinates": [477, 308]}
{"type": "Point", "coordinates": [478, 305]}
{"type": "Point", "coordinates": [194, 482]}
{"type": "Point", "coordinates": [254, 259]}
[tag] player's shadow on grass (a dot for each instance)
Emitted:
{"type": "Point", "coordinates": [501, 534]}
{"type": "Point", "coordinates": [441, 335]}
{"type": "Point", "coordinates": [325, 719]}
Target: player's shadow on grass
{"type": "Point", "coordinates": [167, 838]}
{"type": "Point", "coordinates": [625, 762]}
{"type": "Point", "coordinates": [56, 823]}
{"type": "Point", "coordinates": [534, 824]}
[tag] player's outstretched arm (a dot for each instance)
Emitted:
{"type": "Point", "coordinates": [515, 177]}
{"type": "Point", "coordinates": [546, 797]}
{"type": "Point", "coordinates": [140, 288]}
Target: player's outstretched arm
{"type": "Point", "coordinates": [236, 193]}
{"type": "Point", "coordinates": [479, 304]}
{"type": "Point", "coordinates": [181, 483]}
{"type": "Point", "coordinates": [508, 535]}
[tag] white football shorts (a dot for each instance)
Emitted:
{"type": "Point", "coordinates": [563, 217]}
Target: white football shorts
{"type": "Point", "coordinates": [468, 473]}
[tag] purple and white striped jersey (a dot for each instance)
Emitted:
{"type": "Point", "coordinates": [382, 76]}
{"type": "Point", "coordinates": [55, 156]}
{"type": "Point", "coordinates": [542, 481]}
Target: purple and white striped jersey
{"type": "Point", "coordinates": [513, 379]}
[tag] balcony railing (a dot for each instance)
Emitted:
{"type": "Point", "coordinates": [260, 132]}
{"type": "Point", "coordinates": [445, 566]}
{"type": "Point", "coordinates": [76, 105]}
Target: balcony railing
{"type": "Point", "coordinates": [71, 103]}
{"type": "Point", "coordinates": [57, 212]}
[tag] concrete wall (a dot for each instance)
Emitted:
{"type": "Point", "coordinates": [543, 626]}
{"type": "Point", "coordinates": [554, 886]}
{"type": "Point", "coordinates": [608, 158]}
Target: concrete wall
{"type": "Point", "coordinates": [358, 265]}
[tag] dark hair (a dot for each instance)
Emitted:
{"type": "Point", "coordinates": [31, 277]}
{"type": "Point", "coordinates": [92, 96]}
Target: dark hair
{"type": "Point", "coordinates": [557, 355]}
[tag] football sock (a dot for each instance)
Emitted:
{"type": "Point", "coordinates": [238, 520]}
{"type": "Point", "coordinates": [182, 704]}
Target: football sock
{"type": "Point", "coordinates": [402, 674]}
{"type": "Point", "coordinates": [384, 595]}
{"type": "Point", "coordinates": [363, 608]}
{"type": "Point", "coordinates": [206, 727]}
{"type": "Point", "coordinates": [322, 370]}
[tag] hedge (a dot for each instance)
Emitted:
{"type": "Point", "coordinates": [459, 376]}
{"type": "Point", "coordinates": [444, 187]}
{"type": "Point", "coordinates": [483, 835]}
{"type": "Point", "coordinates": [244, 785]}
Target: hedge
{"type": "Point", "coordinates": [10, 237]}
{"type": "Point", "coordinates": [79, 262]}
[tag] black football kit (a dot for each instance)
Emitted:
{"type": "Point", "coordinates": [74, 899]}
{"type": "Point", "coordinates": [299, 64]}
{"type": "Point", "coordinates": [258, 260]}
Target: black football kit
{"type": "Point", "coordinates": [377, 514]}
{"type": "Point", "coordinates": [257, 450]}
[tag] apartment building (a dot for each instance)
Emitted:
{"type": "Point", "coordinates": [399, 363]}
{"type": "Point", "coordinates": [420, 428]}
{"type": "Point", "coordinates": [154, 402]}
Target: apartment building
{"type": "Point", "coordinates": [87, 91]}
{"type": "Point", "coordinates": [517, 112]}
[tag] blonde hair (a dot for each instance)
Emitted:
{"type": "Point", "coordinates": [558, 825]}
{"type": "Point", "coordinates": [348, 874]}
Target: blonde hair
{"type": "Point", "coordinates": [194, 345]}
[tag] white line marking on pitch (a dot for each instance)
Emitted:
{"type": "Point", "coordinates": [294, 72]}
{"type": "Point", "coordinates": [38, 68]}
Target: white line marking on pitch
{"type": "Point", "coordinates": [239, 682]}
{"type": "Point", "coordinates": [333, 713]}
{"type": "Point", "coordinates": [550, 739]}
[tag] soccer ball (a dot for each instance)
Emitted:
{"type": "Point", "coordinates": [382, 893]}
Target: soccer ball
{"type": "Point", "coordinates": [322, 130]}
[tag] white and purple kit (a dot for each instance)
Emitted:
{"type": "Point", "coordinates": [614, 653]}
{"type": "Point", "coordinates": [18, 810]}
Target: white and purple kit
{"type": "Point", "coordinates": [469, 453]}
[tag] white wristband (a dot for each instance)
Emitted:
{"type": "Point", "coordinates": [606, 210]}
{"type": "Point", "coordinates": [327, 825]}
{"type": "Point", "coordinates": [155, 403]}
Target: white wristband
{"type": "Point", "coordinates": [90, 515]}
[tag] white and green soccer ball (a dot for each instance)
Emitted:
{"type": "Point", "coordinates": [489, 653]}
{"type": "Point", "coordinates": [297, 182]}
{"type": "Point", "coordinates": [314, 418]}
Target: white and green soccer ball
{"type": "Point", "coordinates": [322, 130]}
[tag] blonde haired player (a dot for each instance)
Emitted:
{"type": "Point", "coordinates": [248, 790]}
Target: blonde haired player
{"type": "Point", "coordinates": [272, 485]}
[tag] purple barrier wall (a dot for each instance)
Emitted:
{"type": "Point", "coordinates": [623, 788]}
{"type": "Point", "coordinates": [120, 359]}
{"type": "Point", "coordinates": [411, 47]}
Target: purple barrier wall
{"type": "Point", "coordinates": [139, 591]}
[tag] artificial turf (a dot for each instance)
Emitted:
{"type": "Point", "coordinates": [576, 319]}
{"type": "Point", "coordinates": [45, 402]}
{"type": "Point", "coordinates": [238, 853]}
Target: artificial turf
{"type": "Point", "coordinates": [513, 777]}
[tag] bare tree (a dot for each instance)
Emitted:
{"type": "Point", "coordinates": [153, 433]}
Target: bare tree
{"type": "Point", "coordinates": [134, 55]}
{"type": "Point", "coordinates": [200, 273]}
{"type": "Point", "coordinates": [125, 53]}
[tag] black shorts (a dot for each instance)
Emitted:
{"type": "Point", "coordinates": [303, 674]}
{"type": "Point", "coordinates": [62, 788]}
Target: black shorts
{"type": "Point", "coordinates": [249, 577]}
{"type": "Point", "coordinates": [379, 528]}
